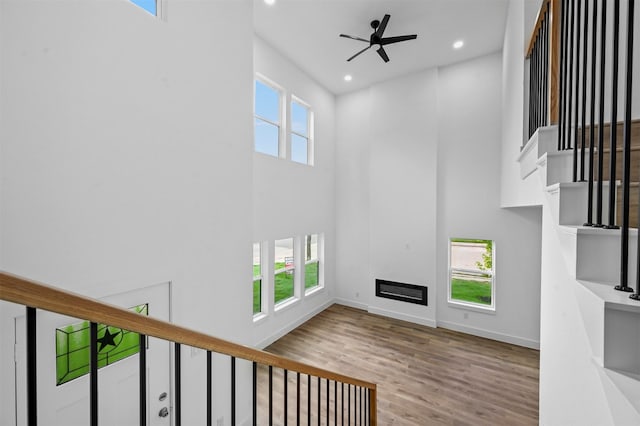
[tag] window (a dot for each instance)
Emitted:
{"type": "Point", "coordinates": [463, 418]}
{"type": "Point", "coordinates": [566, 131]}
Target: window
{"type": "Point", "coordinates": [257, 278]}
{"type": "Point", "coordinates": [284, 270]}
{"type": "Point", "coordinates": [150, 6]}
{"type": "Point", "coordinates": [300, 139]}
{"type": "Point", "coordinates": [471, 272]}
{"type": "Point", "coordinates": [311, 261]}
{"type": "Point", "coordinates": [276, 109]}
{"type": "Point", "coordinates": [267, 120]}
{"type": "Point", "coordinates": [73, 347]}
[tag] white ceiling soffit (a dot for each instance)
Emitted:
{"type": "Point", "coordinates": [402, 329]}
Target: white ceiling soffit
{"type": "Point", "coordinates": [307, 32]}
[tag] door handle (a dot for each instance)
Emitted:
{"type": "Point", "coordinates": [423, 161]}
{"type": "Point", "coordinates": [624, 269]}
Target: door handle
{"type": "Point", "coordinates": [164, 412]}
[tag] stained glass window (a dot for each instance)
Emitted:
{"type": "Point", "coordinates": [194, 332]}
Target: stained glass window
{"type": "Point", "coordinates": [73, 347]}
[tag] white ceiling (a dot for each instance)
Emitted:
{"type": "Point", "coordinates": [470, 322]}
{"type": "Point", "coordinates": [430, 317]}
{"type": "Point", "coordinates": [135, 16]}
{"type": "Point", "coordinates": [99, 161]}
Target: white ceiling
{"type": "Point", "coordinates": [307, 32]}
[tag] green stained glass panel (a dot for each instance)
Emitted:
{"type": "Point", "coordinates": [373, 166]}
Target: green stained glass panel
{"type": "Point", "coordinates": [73, 344]}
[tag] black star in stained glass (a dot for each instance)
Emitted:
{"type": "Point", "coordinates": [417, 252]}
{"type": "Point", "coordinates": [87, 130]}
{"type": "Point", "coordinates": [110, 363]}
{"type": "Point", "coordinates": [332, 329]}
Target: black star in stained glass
{"type": "Point", "coordinates": [107, 339]}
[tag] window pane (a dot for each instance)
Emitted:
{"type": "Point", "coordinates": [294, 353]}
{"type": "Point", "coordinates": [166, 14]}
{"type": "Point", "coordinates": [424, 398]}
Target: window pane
{"type": "Point", "coordinates": [299, 119]}
{"type": "Point", "coordinates": [256, 260]}
{"type": "Point", "coordinates": [257, 296]}
{"type": "Point", "coordinates": [266, 137]}
{"type": "Point", "coordinates": [311, 274]}
{"type": "Point", "coordinates": [471, 263]}
{"type": "Point", "coordinates": [299, 149]}
{"type": "Point", "coordinates": [311, 247]}
{"type": "Point", "coordinates": [267, 102]}
{"type": "Point", "coordinates": [284, 270]}
{"type": "Point", "coordinates": [148, 5]}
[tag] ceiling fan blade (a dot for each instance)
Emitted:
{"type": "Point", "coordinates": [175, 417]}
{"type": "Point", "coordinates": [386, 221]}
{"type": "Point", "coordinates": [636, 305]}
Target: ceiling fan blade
{"type": "Point", "coordinates": [354, 38]}
{"type": "Point", "coordinates": [389, 40]}
{"type": "Point", "coordinates": [383, 54]}
{"type": "Point", "coordinates": [362, 51]}
{"type": "Point", "coordinates": [383, 25]}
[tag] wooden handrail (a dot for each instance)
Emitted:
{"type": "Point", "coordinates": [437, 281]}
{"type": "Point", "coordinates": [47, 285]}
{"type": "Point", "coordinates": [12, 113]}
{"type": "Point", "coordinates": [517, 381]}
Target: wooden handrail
{"type": "Point", "coordinates": [29, 293]}
{"type": "Point", "coordinates": [534, 34]}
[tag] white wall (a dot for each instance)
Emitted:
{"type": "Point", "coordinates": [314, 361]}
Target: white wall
{"type": "Point", "coordinates": [127, 157]}
{"type": "Point", "coordinates": [513, 190]}
{"type": "Point", "coordinates": [469, 126]}
{"type": "Point", "coordinates": [291, 199]}
{"type": "Point", "coordinates": [386, 192]}
{"type": "Point", "coordinates": [417, 165]}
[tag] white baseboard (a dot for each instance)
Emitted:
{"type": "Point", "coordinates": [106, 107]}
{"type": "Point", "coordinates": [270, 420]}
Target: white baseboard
{"type": "Point", "coordinates": [506, 338]}
{"type": "Point", "coordinates": [401, 316]}
{"type": "Point", "coordinates": [293, 325]}
{"type": "Point", "coordinates": [351, 303]}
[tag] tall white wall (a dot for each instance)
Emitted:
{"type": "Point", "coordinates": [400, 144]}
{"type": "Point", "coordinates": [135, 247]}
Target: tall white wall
{"type": "Point", "coordinates": [468, 203]}
{"type": "Point", "coordinates": [127, 158]}
{"type": "Point", "coordinates": [417, 165]}
{"type": "Point", "coordinates": [291, 199]}
{"type": "Point", "coordinates": [513, 190]}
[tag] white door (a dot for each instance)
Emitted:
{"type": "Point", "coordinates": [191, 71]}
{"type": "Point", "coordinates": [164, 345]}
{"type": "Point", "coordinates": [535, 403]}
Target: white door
{"type": "Point", "coordinates": [62, 354]}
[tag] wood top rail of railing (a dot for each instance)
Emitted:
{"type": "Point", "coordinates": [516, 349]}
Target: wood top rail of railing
{"type": "Point", "coordinates": [29, 293]}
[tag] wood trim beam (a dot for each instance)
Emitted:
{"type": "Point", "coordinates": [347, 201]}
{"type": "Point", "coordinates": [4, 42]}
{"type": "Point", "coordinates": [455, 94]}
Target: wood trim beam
{"type": "Point", "coordinates": [29, 293]}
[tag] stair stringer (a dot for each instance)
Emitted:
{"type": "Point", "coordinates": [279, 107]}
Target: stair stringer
{"type": "Point", "coordinates": [591, 257]}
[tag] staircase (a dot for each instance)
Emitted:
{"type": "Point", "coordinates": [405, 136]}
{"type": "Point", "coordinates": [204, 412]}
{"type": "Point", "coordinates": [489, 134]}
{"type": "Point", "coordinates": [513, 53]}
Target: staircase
{"type": "Point", "coordinates": [599, 326]}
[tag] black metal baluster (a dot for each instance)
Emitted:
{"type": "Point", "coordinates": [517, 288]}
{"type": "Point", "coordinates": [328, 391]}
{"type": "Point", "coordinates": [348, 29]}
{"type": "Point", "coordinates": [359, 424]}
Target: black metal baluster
{"type": "Point", "coordinates": [327, 401]}
{"type": "Point", "coordinates": [592, 115]}
{"type": "Point", "coordinates": [626, 159]}
{"type": "Point", "coordinates": [335, 403]}
{"type": "Point", "coordinates": [297, 398]}
{"type": "Point", "coordinates": [233, 391]}
{"type": "Point", "coordinates": [143, 378]}
{"type": "Point", "coordinates": [32, 376]}
{"type": "Point", "coordinates": [531, 79]}
{"type": "Point", "coordinates": [570, 76]}
{"type": "Point", "coordinates": [93, 373]}
{"type": "Point", "coordinates": [286, 398]}
{"type": "Point", "coordinates": [583, 135]}
{"type": "Point", "coordinates": [534, 60]}
{"type": "Point", "coordinates": [255, 394]}
{"type": "Point", "coordinates": [603, 40]}
{"type": "Point", "coordinates": [270, 395]}
{"type": "Point", "coordinates": [309, 399]}
{"type": "Point", "coordinates": [545, 69]}
{"type": "Point", "coordinates": [178, 384]}
{"type": "Point", "coordinates": [319, 400]}
{"type": "Point", "coordinates": [577, 88]}
{"type": "Point", "coordinates": [613, 126]}
{"type": "Point", "coordinates": [209, 390]}
{"type": "Point", "coordinates": [563, 74]}
{"type": "Point", "coordinates": [342, 402]}
{"type": "Point", "coordinates": [349, 404]}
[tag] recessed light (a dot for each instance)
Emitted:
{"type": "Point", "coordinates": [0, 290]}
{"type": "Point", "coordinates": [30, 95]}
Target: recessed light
{"type": "Point", "coordinates": [458, 44]}
{"type": "Point", "coordinates": [270, 2]}
{"type": "Point", "coordinates": [348, 77]}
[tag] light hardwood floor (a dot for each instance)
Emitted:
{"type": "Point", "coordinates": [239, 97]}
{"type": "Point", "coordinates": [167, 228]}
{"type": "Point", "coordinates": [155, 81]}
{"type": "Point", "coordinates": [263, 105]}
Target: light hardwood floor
{"type": "Point", "coordinates": [424, 375]}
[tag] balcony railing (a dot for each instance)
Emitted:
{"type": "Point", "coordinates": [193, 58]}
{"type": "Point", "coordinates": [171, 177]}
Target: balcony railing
{"type": "Point", "coordinates": [335, 394]}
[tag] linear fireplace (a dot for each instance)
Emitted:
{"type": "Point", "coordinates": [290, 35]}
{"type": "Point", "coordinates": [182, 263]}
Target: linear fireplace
{"type": "Point", "coordinates": [410, 293]}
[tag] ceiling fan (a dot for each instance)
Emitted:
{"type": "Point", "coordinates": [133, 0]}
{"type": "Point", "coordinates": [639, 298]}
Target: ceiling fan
{"type": "Point", "coordinates": [377, 39]}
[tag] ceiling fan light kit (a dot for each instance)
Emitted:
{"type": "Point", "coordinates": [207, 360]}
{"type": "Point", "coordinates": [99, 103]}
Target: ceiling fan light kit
{"type": "Point", "coordinates": [376, 38]}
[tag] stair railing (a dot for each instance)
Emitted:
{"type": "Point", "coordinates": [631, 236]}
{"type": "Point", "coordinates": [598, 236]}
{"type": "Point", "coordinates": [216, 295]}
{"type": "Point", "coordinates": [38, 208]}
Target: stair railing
{"type": "Point", "coordinates": [543, 60]}
{"type": "Point", "coordinates": [583, 52]}
{"type": "Point", "coordinates": [360, 396]}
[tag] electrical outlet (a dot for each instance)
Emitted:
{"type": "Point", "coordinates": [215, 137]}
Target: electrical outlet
{"type": "Point", "coordinates": [220, 421]}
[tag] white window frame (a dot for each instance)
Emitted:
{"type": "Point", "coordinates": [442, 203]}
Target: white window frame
{"type": "Point", "coordinates": [466, 304]}
{"type": "Point", "coordinates": [282, 126]}
{"type": "Point", "coordinates": [308, 137]}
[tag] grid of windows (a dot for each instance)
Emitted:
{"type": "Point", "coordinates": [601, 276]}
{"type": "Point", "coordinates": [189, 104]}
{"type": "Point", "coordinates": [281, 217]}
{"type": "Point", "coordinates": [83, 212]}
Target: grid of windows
{"type": "Point", "coordinates": [471, 272]}
{"type": "Point", "coordinates": [272, 114]}
{"type": "Point", "coordinates": [286, 270]}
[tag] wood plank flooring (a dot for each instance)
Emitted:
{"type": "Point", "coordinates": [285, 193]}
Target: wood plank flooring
{"type": "Point", "coordinates": [424, 375]}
